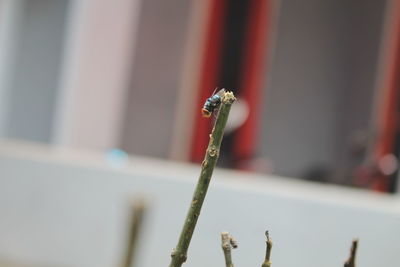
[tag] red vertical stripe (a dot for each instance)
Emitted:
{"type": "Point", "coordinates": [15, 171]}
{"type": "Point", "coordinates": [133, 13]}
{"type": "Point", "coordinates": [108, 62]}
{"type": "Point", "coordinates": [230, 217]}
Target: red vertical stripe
{"type": "Point", "coordinates": [253, 72]}
{"type": "Point", "coordinates": [209, 73]}
{"type": "Point", "coordinates": [389, 117]}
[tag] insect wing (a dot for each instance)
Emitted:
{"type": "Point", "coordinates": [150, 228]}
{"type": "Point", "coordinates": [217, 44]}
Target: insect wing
{"type": "Point", "coordinates": [221, 92]}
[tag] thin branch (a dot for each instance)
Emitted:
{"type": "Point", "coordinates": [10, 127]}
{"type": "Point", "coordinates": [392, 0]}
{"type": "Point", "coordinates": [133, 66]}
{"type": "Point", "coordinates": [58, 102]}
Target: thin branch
{"type": "Point", "coordinates": [351, 262]}
{"type": "Point", "coordinates": [267, 262]}
{"type": "Point", "coordinates": [178, 255]}
{"type": "Point", "coordinates": [137, 213]}
{"type": "Point", "coordinates": [227, 243]}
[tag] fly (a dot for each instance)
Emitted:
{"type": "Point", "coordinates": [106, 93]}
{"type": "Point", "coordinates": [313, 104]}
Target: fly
{"type": "Point", "coordinates": [212, 103]}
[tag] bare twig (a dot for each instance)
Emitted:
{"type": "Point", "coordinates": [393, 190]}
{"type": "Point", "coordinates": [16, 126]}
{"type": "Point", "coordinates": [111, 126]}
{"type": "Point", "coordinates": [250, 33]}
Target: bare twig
{"type": "Point", "coordinates": [267, 262]}
{"type": "Point", "coordinates": [137, 214]}
{"type": "Point", "coordinates": [351, 262]}
{"type": "Point", "coordinates": [178, 255]}
{"type": "Point", "coordinates": [228, 242]}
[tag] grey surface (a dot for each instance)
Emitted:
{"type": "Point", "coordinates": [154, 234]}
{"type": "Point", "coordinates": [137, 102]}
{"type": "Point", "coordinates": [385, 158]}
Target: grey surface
{"type": "Point", "coordinates": [69, 209]}
{"type": "Point", "coordinates": [10, 22]}
{"type": "Point", "coordinates": [320, 83]}
{"type": "Point", "coordinates": [155, 78]}
{"type": "Point", "coordinates": [34, 70]}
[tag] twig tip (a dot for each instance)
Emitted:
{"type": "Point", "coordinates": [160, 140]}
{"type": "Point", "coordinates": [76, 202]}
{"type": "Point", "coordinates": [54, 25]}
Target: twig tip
{"type": "Point", "coordinates": [229, 97]}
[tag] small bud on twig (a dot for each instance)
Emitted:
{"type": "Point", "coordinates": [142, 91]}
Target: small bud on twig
{"type": "Point", "coordinates": [228, 242]}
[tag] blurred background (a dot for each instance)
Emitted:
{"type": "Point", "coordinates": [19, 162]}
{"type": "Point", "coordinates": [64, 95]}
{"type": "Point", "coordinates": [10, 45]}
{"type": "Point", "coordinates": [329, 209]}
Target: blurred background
{"type": "Point", "coordinates": [100, 100]}
{"type": "Point", "coordinates": [316, 81]}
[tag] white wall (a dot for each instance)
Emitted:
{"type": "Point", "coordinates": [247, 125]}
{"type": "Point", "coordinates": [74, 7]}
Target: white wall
{"type": "Point", "coordinates": [68, 208]}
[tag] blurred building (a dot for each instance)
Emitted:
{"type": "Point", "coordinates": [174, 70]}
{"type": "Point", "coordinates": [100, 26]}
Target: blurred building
{"type": "Point", "coordinates": [317, 81]}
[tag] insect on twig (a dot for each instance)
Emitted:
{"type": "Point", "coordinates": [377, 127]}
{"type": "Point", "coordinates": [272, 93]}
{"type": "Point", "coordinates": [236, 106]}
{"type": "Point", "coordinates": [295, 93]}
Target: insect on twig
{"type": "Point", "coordinates": [212, 103]}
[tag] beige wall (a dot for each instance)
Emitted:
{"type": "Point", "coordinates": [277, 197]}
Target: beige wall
{"type": "Point", "coordinates": [96, 70]}
{"type": "Point", "coordinates": [156, 77]}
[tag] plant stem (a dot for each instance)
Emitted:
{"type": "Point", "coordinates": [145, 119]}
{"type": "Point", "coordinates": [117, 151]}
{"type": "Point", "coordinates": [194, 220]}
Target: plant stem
{"type": "Point", "coordinates": [179, 254]}
{"type": "Point", "coordinates": [137, 214]}
{"type": "Point", "coordinates": [227, 242]}
{"type": "Point", "coordinates": [267, 262]}
{"type": "Point", "coordinates": [351, 262]}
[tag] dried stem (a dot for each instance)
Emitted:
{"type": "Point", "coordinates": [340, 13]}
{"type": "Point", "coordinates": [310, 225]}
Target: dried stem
{"type": "Point", "coordinates": [267, 262]}
{"type": "Point", "coordinates": [178, 256]}
{"type": "Point", "coordinates": [227, 243]}
{"type": "Point", "coordinates": [137, 214]}
{"type": "Point", "coordinates": [352, 259]}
